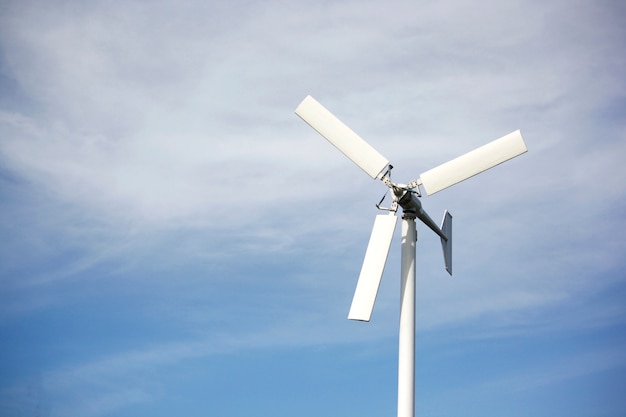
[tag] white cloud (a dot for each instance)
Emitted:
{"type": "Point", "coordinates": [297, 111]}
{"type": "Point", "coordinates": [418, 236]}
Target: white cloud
{"type": "Point", "coordinates": [151, 117]}
{"type": "Point", "coordinates": [148, 122]}
{"type": "Point", "coordinates": [162, 137]}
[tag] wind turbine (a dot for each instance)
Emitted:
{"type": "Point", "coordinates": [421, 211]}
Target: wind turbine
{"type": "Point", "coordinates": [407, 197]}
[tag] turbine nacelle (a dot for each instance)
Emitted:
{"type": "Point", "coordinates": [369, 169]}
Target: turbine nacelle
{"type": "Point", "coordinates": [407, 197]}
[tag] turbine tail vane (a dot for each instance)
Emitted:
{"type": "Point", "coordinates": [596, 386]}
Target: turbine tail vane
{"type": "Point", "coordinates": [446, 243]}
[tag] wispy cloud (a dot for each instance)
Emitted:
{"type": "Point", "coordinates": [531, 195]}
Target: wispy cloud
{"type": "Point", "coordinates": [200, 145]}
{"type": "Point", "coordinates": [157, 145]}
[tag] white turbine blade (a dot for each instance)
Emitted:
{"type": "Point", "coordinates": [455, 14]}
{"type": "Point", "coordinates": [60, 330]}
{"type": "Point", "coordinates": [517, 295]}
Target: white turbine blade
{"type": "Point", "coordinates": [373, 267]}
{"type": "Point", "coordinates": [342, 137]}
{"type": "Point", "coordinates": [474, 162]}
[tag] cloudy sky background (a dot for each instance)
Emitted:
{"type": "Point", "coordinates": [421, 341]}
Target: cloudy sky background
{"type": "Point", "coordinates": [175, 241]}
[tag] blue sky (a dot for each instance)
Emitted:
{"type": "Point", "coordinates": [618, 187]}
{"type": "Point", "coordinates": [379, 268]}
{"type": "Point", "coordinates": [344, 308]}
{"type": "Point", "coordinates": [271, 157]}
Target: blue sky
{"type": "Point", "coordinates": [176, 241]}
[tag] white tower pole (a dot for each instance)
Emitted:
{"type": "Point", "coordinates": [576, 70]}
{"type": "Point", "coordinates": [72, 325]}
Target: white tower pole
{"type": "Point", "coordinates": [406, 349]}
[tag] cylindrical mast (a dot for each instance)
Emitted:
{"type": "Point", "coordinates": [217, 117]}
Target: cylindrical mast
{"type": "Point", "coordinates": [406, 350]}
